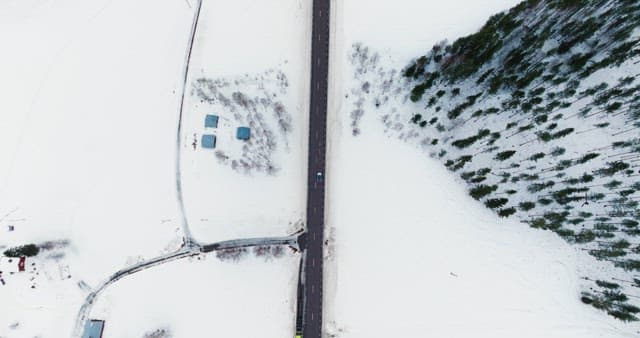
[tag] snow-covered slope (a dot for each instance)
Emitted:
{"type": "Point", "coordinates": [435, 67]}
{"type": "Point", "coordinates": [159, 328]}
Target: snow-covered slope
{"type": "Point", "coordinates": [543, 123]}
{"type": "Point", "coordinates": [393, 209]}
{"type": "Point", "coordinates": [415, 255]}
{"type": "Point", "coordinates": [90, 148]}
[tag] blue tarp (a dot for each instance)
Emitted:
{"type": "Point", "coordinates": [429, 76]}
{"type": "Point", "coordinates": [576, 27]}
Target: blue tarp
{"type": "Point", "coordinates": [211, 121]}
{"type": "Point", "coordinates": [243, 133]}
{"type": "Point", "coordinates": [93, 329]}
{"type": "Point", "coordinates": [209, 141]}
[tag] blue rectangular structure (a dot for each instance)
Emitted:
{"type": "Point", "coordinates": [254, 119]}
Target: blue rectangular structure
{"type": "Point", "coordinates": [243, 133]}
{"type": "Point", "coordinates": [208, 141]}
{"type": "Point", "coordinates": [211, 121]}
{"type": "Point", "coordinates": [93, 329]}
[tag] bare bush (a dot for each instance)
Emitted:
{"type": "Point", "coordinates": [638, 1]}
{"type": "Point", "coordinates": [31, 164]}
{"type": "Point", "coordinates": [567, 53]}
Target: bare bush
{"type": "Point", "coordinates": [251, 101]}
{"type": "Point", "coordinates": [268, 251]}
{"type": "Point", "coordinates": [158, 333]}
{"type": "Point", "coordinates": [51, 245]}
{"type": "Point", "coordinates": [234, 254]}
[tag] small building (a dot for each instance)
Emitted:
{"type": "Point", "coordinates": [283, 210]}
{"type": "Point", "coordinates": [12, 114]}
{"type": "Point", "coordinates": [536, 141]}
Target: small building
{"type": "Point", "coordinates": [208, 141]}
{"type": "Point", "coordinates": [93, 329]}
{"type": "Point", "coordinates": [243, 133]}
{"type": "Point", "coordinates": [21, 263]}
{"type": "Point", "coordinates": [211, 121]}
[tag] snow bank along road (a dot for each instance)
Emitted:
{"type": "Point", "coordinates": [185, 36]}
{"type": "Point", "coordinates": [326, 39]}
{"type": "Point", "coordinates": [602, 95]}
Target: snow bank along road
{"type": "Point", "coordinates": [312, 316]}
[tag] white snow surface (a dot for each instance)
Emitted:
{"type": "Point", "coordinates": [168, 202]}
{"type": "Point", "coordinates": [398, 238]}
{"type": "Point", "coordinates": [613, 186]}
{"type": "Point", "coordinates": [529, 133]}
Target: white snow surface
{"type": "Point", "coordinates": [409, 28]}
{"type": "Point", "coordinates": [259, 50]}
{"type": "Point", "coordinates": [48, 310]}
{"type": "Point", "coordinates": [88, 129]}
{"type": "Point", "coordinates": [411, 254]}
{"type": "Point", "coordinates": [252, 297]}
{"type": "Point", "coordinates": [87, 137]}
{"type": "Point", "coordinates": [88, 125]}
{"type": "Point", "coordinates": [416, 256]}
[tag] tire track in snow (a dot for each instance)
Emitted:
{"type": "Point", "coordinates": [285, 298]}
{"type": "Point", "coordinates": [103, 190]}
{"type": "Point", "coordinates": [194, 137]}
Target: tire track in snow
{"type": "Point", "coordinates": [188, 240]}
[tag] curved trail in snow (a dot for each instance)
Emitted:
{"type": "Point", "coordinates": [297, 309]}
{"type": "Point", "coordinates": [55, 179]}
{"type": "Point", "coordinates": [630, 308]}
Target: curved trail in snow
{"type": "Point", "coordinates": [86, 307]}
{"type": "Point", "coordinates": [184, 252]}
{"type": "Point", "coordinates": [186, 232]}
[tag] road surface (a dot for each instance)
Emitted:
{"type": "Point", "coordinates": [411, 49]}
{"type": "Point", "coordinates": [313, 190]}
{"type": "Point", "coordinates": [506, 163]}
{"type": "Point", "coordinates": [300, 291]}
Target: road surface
{"type": "Point", "coordinates": [312, 321]}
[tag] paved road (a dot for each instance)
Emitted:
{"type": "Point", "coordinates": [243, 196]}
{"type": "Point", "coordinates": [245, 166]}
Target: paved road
{"type": "Point", "coordinates": [312, 324]}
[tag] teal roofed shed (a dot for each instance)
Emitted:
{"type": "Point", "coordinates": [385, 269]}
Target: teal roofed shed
{"type": "Point", "coordinates": [211, 121]}
{"type": "Point", "coordinates": [93, 329]}
{"type": "Point", "coordinates": [243, 133]}
{"type": "Point", "coordinates": [208, 141]}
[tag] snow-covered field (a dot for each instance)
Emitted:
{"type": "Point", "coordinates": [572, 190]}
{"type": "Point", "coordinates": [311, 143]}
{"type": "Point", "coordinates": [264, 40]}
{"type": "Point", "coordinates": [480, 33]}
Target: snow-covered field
{"type": "Point", "coordinates": [88, 125]}
{"type": "Point", "coordinates": [87, 137]}
{"type": "Point", "coordinates": [87, 129]}
{"type": "Point", "coordinates": [410, 250]}
{"type": "Point", "coordinates": [40, 302]}
{"type": "Point", "coordinates": [250, 68]}
{"type": "Point", "coordinates": [205, 297]}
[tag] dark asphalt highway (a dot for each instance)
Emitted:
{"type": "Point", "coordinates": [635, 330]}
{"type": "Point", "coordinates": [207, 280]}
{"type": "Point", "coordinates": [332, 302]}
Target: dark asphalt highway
{"type": "Point", "coordinates": [312, 324]}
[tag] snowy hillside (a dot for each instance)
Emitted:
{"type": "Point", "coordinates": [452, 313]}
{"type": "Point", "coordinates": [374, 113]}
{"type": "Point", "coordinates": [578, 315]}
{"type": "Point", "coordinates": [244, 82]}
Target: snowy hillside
{"type": "Point", "coordinates": [543, 123]}
{"type": "Point", "coordinates": [417, 257]}
{"type": "Point", "coordinates": [536, 114]}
